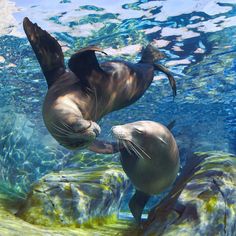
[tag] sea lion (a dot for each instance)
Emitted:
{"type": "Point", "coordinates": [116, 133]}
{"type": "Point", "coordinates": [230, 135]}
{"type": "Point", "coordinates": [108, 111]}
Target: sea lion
{"type": "Point", "coordinates": [79, 97]}
{"type": "Point", "coordinates": [149, 156]}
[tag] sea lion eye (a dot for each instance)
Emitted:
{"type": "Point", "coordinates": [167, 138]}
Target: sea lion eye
{"type": "Point", "coordinates": [82, 126]}
{"type": "Point", "coordinates": [138, 130]}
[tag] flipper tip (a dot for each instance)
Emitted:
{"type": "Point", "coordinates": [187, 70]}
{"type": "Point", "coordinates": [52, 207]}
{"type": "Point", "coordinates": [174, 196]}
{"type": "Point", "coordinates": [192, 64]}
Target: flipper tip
{"type": "Point", "coordinates": [26, 22]}
{"type": "Point", "coordinates": [137, 204]}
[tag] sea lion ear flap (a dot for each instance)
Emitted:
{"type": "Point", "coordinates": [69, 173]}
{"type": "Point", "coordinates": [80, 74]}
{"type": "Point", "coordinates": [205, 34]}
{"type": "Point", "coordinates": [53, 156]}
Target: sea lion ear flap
{"type": "Point", "coordinates": [84, 61]}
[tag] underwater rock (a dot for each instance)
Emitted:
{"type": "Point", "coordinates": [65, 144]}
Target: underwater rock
{"type": "Point", "coordinates": [202, 201]}
{"type": "Point", "coordinates": [10, 225]}
{"type": "Point", "coordinates": [76, 197]}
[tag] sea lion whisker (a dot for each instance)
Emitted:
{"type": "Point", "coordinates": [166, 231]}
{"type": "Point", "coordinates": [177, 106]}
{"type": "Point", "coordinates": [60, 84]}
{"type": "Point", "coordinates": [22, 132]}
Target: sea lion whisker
{"type": "Point", "coordinates": [135, 150]}
{"type": "Point", "coordinates": [67, 129]}
{"type": "Point", "coordinates": [137, 146]}
{"type": "Point", "coordinates": [60, 130]}
{"type": "Point", "coordinates": [118, 142]}
{"type": "Point", "coordinates": [143, 152]}
{"type": "Point", "coordinates": [66, 125]}
{"type": "Point", "coordinates": [121, 145]}
{"type": "Point", "coordinates": [61, 136]}
{"type": "Point", "coordinates": [126, 146]}
{"type": "Point", "coordinates": [96, 103]}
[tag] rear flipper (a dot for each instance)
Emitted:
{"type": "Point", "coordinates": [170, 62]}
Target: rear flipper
{"type": "Point", "coordinates": [137, 204]}
{"type": "Point", "coordinates": [150, 54]}
{"type": "Point", "coordinates": [47, 50]}
{"type": "Point", "coordinates": [169, 75]}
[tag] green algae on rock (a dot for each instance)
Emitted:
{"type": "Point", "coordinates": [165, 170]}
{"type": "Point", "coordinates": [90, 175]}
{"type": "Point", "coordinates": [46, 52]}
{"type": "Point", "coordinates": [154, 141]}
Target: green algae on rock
{"type": "Point", "coordinates": [202, 201]}
{"type": "Point", "coordinates": [10, 225]}
{"type": "Point", "coordinates": [76, 198]}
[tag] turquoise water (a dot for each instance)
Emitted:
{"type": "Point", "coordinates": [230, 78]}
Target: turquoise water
{"type": "Point", "coordinates": [198, 38]}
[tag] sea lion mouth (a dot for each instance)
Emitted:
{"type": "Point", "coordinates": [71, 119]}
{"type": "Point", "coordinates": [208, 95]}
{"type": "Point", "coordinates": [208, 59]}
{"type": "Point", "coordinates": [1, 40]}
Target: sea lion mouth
{"type": "Point", "coordinates": [75, 137]}
{"type": "Point", "coordinates": [96, 128]}
{"type": "Point", "coordinates": [92, 126]}
{"type": "Point", "coordinates": [83, 130]}
{"type": "Point", "coordinates": [131, 147]}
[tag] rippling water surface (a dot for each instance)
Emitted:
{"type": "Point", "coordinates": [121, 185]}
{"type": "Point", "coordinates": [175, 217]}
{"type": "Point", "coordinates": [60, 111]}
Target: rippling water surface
{"type": "Point", "coordinates": [197, 36]}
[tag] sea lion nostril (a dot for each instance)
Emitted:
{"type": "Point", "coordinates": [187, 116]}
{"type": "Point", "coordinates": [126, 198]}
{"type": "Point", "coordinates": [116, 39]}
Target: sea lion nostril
{"type": "Point", "coordinates": [96, 131]}
{"type": "Point", "coordinates": [96, 128]}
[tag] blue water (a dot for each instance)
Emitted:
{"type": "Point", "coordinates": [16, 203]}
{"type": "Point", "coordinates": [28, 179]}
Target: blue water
{"type": "Point", "coordinates": [198, 38]}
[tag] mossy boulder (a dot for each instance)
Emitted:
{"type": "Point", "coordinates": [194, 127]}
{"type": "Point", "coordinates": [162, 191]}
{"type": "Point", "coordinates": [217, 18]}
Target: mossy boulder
{"type": "Point", "coordinates": [10, 225]}
{"type": "Point", "coordinates": [202, 201]}
{"type": "Point", "coordinates": [76, 198]}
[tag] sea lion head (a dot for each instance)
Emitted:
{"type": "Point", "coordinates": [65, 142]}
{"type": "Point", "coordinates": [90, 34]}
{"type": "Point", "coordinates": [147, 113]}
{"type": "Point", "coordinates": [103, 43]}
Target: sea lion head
{"type": "Point", "coordinates": [66, 124]}
{"type": "Point", "coordinates": [151, 54]}
{"type": "Point", "coordinates": [144, 138]}
{"type": "Point", "coordinates": [79, 135]}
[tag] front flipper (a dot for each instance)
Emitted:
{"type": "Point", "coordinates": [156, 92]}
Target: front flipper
{"type": "Point", "coordinates": [47, 50]}
{"type": "Point", "coordinates": [169, 75]}
{"type": "Point", "coordinates": [104, 147]}
{"type": "Point", "coordinates": [84, 63]}
{"type": "Point", "coordinates": [137, 204]}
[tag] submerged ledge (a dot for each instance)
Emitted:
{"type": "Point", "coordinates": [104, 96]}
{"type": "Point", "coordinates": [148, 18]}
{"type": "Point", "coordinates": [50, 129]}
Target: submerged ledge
{"type": "Point", "coordinates": [11, 225]}
{"type": "Point", "coordinates": [202, 201]}
{"type": "Point", "coordinates": [82, 197]}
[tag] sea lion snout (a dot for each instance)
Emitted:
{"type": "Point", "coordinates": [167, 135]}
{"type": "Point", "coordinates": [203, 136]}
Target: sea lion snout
{"type": "Point", "coordinates": [74, 136]}
{"type": "Point", "coordinates": [82, 125]}
{"type": "Point", "coordinates": [96, 128]}
{"type": "Point", "coordinates": [120, 132]}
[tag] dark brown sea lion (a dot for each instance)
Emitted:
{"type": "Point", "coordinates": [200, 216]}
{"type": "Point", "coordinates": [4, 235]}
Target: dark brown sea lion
{"type": "Point", "coordinates": [79, 97]}
{"type": "Point", "coordinates": [149, 156]}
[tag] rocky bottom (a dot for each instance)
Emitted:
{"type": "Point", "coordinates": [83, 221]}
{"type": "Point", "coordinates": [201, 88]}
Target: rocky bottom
{"type": "Point", "coordinates": [201, 202]}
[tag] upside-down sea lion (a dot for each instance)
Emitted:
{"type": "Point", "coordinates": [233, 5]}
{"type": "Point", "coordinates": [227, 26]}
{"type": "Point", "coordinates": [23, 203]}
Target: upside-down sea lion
{"type": "Point", "coordinates": [149, 156]}
{"type": "Point", "coordinates": [79, 97]}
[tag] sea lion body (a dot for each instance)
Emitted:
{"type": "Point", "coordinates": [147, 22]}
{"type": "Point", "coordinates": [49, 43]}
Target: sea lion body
{"type": "Point", "coordinates": [77, 98]}
{"type": "Point", "coordinates": [66, 100]}
{"type": "Point", "coordinates": [122, 85]}
{"type": "Point", "coordinates": [150, 158]}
